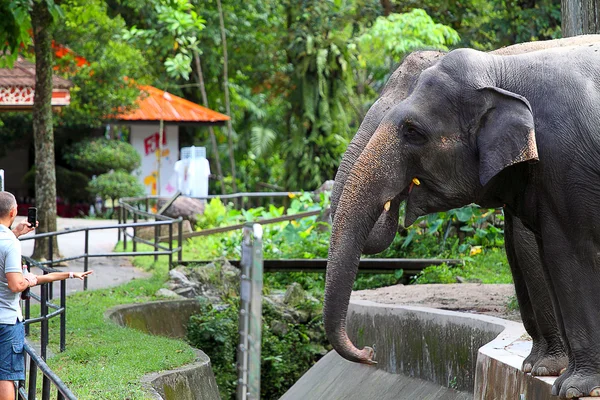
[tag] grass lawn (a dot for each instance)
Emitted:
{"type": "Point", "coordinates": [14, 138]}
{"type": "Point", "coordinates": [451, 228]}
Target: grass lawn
{"type": "Point", "coordinates": [106, 361]}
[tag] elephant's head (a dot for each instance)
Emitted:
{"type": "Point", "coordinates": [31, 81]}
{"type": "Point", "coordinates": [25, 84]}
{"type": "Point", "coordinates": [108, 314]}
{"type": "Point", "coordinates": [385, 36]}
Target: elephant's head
{"type": "Point", "coordinates": [438, 148]}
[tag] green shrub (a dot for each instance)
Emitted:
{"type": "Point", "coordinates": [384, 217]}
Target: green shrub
{"type": "Point", "coordinates": [285, 355]}
{"type": "Point", "coordinates": [99, 155]}
{"type": "Point", "coordinates": [114, 185]}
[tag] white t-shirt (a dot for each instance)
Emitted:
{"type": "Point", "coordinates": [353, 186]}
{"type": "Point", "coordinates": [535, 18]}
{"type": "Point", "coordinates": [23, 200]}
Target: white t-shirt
{"type": "Point", "coordinates": [10, 261]}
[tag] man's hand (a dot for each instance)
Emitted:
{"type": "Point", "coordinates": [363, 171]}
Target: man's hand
{"type": "Point", "coordinates": [24, 227]}
{"type": "Point", "coordinates": [81, 275]}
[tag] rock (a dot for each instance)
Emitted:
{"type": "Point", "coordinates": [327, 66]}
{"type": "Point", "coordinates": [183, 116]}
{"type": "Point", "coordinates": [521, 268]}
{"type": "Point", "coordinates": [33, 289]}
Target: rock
{"type": "Point", "coordinates": [167, 293]}
{"type": "Point", "coordinates": [147, 232]}
{"type": "Point", "coordinates": [303, 316]}
{"type": "Point", "coordinates": [294, 295]}
{"type": "Point", "coordinates": [185, 207]}
{"type": "Point", "coordinates": [186, 291]}
{"type": "Point", "coordinates": [179, 277]}
{"type": "Point", "coordinates": [279, 328]}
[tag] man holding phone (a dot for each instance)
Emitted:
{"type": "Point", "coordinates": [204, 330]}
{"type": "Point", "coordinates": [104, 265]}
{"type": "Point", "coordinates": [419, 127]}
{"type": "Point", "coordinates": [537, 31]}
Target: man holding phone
{"type": "Point", "coordinates": [14, 280]}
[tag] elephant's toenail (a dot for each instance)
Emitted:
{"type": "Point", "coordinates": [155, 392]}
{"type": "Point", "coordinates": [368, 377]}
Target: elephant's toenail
{"type": "Point", "coordinates": [527, 367]}
{"type": "Point", "coordinates": [573, 393]}
{"type": "Point", "coordinates": [595, 392]}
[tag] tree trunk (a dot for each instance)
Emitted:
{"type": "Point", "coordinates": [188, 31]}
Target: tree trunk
{"type": "Point", "coordinates": [211, 131]}
{"type": "Point", "coordinates": [43, 134]}
{"type": "Point", "coordinates": [580, 17]}
{"type": "Point", "coordinates": [387, 7]}
{"type": "Point", "coordinates": [227, 103]}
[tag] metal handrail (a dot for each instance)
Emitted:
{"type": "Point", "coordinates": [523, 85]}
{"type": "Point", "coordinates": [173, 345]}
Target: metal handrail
{"type": "Point", "coordinates": [49, 377]}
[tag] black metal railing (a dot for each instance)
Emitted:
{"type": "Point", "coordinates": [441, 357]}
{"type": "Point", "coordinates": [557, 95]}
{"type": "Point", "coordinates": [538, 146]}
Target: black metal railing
{"type": "Point", "coordinates": [162, 250]}
{"type": "Point", "coordinates": [45, 305]}
{"type": "Point", "coordinates": [26, 390]}
{"type": "Point", "coordinates": [125, 210]}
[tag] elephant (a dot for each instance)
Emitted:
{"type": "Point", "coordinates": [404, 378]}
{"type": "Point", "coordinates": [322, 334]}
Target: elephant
{"type": "Point", "coordinates": [498, 129]}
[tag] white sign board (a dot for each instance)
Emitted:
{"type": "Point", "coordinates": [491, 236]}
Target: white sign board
{"type": "Point", "coordinates": [146, 139]}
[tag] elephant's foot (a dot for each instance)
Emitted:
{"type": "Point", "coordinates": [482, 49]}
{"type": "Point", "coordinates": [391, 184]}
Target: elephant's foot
{"type": "Point", "coordinates": [545, 360]}
{"type": "Point", "coordinates": [580, 384]}
{"type": "Point", "coordinates": [558, 383]}
{"type": "Point", "coordinates": [550, 365]}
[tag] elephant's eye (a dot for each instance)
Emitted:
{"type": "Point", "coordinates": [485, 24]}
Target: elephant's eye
{"type": "Point", "coordinates": [413, 136]}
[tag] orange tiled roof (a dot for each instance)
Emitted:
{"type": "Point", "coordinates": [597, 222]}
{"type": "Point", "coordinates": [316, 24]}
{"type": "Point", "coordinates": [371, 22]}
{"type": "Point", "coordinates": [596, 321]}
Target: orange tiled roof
{"type": "Point", "coordinates": [156, 104]}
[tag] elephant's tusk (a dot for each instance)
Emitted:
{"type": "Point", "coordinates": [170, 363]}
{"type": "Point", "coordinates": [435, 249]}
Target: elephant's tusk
{"type": "Point", "coordinates": [386, 206]}
{"type": "Point", "coordinates": [416, 181]}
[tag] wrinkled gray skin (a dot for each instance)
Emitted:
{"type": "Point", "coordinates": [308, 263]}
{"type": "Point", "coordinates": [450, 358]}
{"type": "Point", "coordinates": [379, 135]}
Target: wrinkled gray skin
{"type": "Point", "coordinates": [476, 113]}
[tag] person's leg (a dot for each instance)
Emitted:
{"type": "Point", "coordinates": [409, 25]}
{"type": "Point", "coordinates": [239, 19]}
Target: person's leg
{"type": "Point", "coordinates": [7, 390]}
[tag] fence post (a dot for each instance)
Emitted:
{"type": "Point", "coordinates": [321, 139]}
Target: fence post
{"type": "Point", "coordinates": [119, 214]}
{"type": "Point", "coordinates": [133, 241]}
{"type": "Point", "coordinates": [170, 246]}
{"type": "Point", "coordinates": [32, 379]}
{"type": "Point", "coordinates": [180, 240]}
{"type": "Point", "coordinates": [157, 229]}
{"type": "Point", "coordinates": [147, 206]}
{"type": "Point", "coordinates": [51, 260]}
{"type": "Point", "coordinates": [86, 247]}
{"type": "Point", "coordinates": [44, 322]}
{"type": "Point", "coordinates": [63, 315]}
{"type": "Point", "coordinates": [250, 316]}
{"type": "Point", "coordinates": [125, 212]}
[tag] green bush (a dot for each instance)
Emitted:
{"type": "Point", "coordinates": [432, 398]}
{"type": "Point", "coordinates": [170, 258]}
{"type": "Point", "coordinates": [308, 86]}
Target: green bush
{"type": "Point", "coordinates": [285, 355]}
{"type": "Point", "coordinates": [114, 185]}
{"type": "Point", "coordinates": [98, 155]}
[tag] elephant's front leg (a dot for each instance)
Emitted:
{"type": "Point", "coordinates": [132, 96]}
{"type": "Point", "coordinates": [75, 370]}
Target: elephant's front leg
{"type": "Point", "coordinates": [569, 258]}
{"type": "Point", "coordinates": [548, 355]}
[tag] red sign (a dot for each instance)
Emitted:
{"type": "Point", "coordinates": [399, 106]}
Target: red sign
{"type": "Point", "coordinates": [151, 143]}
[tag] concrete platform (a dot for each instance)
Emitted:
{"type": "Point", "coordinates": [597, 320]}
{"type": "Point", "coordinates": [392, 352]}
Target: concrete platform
{"type": "Point", "coordinates": [425, 353]}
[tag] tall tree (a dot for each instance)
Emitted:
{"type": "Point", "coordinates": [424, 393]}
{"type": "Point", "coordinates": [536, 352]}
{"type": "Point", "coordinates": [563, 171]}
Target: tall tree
{"type": "Point", "coordinates": [580, 17]}
{"type": "Point", "coordinates": [226, 90]}
{"type": "Point", "coordinates": [43, 134]}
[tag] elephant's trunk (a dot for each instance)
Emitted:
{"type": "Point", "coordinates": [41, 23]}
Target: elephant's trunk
{"type": "Point", "coordinates": [369, 188]}
{"type": "Point", "coordinates": [384, 231]}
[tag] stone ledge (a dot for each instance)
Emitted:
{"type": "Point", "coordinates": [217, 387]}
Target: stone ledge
{"type": "Point", "coordinates": [169, 318]}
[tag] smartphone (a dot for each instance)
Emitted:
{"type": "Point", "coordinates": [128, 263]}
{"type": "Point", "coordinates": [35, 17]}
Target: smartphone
{"type": "Point", "coordinates": [32, 216]}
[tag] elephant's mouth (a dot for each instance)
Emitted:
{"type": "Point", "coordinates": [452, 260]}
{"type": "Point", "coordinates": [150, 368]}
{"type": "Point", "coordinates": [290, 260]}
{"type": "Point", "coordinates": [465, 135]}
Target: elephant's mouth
{"type": "Point", "coordinates": [415, 202]}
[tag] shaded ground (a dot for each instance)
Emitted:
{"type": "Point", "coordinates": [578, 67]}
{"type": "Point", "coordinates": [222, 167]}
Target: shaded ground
{"type": "Point", "coordinates": [108, 271]}
{"type": "Point", "coordinates": [465, 297]}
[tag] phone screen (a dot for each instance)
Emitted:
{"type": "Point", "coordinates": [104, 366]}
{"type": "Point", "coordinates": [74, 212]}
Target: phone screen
{"type": "Point", "coordinates": [32, 215]}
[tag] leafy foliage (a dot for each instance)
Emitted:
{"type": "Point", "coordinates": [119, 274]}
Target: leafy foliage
{"type": "Point", "coordinates": [284, 356]}
{"type": "Point", "coordinates": [104, 81]}
{"type": "Point", "coordinates": [99, 155]}
{"type": "Point", "coordinates": [171, 35]}
{"type": "Point", "coordinates": [399, 34]}
{"type": "Point", "coordinates": [114, 185]}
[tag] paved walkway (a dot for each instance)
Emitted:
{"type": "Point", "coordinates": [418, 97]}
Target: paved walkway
{"type": "Point", "coordinates": [108, 271]}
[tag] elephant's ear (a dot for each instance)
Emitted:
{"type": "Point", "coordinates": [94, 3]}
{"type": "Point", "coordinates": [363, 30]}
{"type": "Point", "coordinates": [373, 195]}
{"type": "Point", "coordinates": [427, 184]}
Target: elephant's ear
{"type": "Point", "coordinates": [506, 133]}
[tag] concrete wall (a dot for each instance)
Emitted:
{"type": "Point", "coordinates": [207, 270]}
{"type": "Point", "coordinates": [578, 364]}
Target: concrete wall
{"type": "Point", "coordinates": [435, 345]}
{"type": "Point", "coordinates": [421, 353]}
{"type": "Point", "coordinates": [169, 318]}
{"type": "Point", "coordinates": [163, 318]}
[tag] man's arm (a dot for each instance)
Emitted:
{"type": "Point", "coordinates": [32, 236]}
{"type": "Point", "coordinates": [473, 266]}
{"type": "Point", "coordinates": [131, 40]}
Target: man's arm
{"type": "Point", "coordinates": [59, 276]}
{"type": "Point", "coordinates": [17, 282]}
